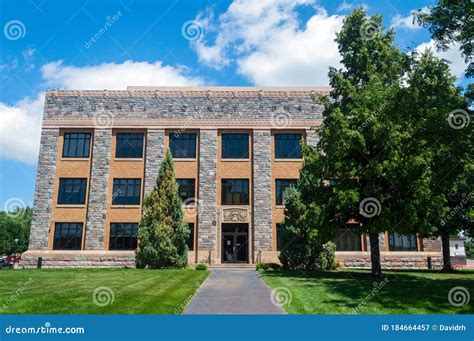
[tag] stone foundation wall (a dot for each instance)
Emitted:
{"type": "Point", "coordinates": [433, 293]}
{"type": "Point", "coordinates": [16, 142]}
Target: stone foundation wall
{"type": "Point", "coordinates": [391, 260]}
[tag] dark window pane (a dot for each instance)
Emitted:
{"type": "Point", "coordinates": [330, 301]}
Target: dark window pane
{"type": "Point", "coordinates": [235, 192]}
{"type": "Point", "coordinates": [348, 239]}
{"type": "Point", "coordinates": [281, 186]}
{"type": "Point", "coordinates": [123, 236]}
{"type": "Point", "coordinates": [129, 145]}
{"type": "Point", "coordinates": [235, 146]}
{"type": "Point", "coordinates": [76, 145]}
{"type": "Point", "coordinates": [72, 191]}
{"type": "Point", "coordinates": [183, 145]}
{"type": "Point", "coordinates": [279, 227]}
{"type": "Point", "coordinates": [402, 242]}
{"type": "Point", "coordinates": [186, 189]}
{"type": "Point", "coordinates": [126, 192]}
{"type": "Point", "coordinates": [67, 236]}
{"type": "Point", "coordinates": [288, 146]}
{"type": "Point", "coordinates": [191, 237]}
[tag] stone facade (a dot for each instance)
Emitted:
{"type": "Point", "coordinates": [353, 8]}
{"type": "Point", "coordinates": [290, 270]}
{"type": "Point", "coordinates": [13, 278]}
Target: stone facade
{"type": "Point", "coordinates": [262, 216]}
{"type": "Point", "coordinates": [96, 213]}
{"type": "Point", "coordinates": [43, 201]}
{"type": "Point", "coordinates": [159, 113]}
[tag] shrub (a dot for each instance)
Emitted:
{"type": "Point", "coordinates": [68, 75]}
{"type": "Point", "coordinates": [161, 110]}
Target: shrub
{"type": "Point", "coordinates": [262, 266]}
{"type": "Point", "coordinates": [201, 266]}
{"type": "Point", "coordinates": [328, 256]}
{"type": "Point", "coordinates": [268, 266]}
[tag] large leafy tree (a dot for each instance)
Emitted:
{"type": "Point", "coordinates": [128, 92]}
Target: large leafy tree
{"type": "Point", "coordinates": [452, 21]}
{"type": "Point", "coordinates": [362, 168]}
{"type": "Point", "coordinates": [15, 225]}
{"type": "Point", "coordinates": [442, 134]}
{"type": "Point", "coordinates": [162, 231]}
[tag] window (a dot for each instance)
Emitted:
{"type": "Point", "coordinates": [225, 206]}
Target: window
{"type": "Point", "coordinates": [279, 228]}
{"type": "Point", "coordinates": [348, 239]}
{"type": "Point", "coordinates": [72, 191]}
{"type": "Point", "coordinates": [191, 237]}
{"type": "Point", "coordinates": [288, 146]}
{"type": "Point", "coordinates": [186, 189]}
{"type": "Point", "coordinates": [76, 145]}
{"type": "Point", "coordinates": [235, 146]}
{"type": "Point", "coordinates": [126, 192]}
{"type": "Point", "coordinates": [235, 192]}
{"type": "Point", "coordinates": [67, 236]}
{"type": "Point", "coordinates": [183, 146]}
{"type": "Point", "coordinates": [129, 145]}
{"type": "Point", "coordinates": [402, 242]}
{"type": "Point", "coordinates": [123, 236]}
{"type": "Point", "coordinates": [281, 186]}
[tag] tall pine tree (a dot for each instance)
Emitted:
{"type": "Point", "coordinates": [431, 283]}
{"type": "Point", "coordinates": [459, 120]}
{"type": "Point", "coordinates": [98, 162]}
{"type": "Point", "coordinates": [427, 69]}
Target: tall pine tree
{"type": "Point", "coordinates": [163, 232]}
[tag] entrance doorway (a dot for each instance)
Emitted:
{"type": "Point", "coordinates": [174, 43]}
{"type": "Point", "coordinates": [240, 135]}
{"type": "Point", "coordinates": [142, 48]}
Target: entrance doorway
{"type": "Point", "coordinates": [235, 245]}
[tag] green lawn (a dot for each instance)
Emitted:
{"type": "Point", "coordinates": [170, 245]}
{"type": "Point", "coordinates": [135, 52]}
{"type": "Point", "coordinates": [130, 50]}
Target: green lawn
{"type": "Point", "coordinates": [71, 291]}
{"type": "Point", "coordinates": [342, 291]}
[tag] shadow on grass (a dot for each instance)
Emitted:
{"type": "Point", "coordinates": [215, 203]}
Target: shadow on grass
{"type": "Point", "coordinates": [401, 292]}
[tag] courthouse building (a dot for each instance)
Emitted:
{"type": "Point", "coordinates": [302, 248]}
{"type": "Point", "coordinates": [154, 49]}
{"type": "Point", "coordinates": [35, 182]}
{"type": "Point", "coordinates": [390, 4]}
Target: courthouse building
{"type": "Point", "coordinates": [235, 151]}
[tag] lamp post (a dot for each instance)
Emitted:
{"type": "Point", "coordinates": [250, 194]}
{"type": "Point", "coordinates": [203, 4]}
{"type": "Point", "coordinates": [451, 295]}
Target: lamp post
{"type": "Point", "coordinates": [14, 255]}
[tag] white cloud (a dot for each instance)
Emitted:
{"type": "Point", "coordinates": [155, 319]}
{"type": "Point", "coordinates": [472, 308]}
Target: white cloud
{"type": "Point", "coordinates": [20, 126]}
{"type": "Point", "coordinates": [268, 43]}
{"type": "Point", "coordinates": [114, 76]}
{"type": "Point", "coordinates": [20, 123]}
{"type": "Point", "coordinates": [344, 7]}
{"type": "Point", "coordinates": [457, 64]}
{"type": "Point", "coordinates": [401, 22]}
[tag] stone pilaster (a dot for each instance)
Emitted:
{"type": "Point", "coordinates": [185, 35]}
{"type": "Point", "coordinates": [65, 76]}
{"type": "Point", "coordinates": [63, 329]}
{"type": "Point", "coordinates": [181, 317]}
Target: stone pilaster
{"type": "Point", "coordinates": [98, 189]}
{"type": "Point", "coordinates": [312, 138]}
{"type": "Point", "coordinates": [154, 157]}
{"type": "Point", "coordinates": [262, 190]}
{"type": "Point", "coordinates": [207, 212]}
{"type": "Point", "coordinates": [43, 200]}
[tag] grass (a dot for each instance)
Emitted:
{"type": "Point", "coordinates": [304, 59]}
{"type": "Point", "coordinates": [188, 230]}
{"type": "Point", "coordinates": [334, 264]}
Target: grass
{"type": "Point", "coordinates": [71, 291]}
{"type": "Point", "coordinates": [344, 291]}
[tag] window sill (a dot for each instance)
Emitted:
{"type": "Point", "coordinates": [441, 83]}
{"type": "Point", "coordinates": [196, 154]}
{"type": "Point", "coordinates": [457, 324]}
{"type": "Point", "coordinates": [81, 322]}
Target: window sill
{"type": "Point", "coordinates": [125, 206]}
{"type": "Point", "coordinates": [288, 160]}
{"type": "Point", "coordinates": [82, 159]}
{"type": "Point", "coordinates": [128, 159]}
{"type": "Point", "coordinates": [234, 160]}
{"type": "Point", "coordinates": [184, 159]}
{"type": "Point", "coordinates": [234, 205]}
{"type": "Point", "coordinates": [280, 206]}
{"type": "Point", "coordinates": [70, 206]}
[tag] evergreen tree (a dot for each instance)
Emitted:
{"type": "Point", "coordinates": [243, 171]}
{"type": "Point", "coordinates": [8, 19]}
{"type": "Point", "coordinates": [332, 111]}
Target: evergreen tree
{"type": "Point", "coordinates": [162, 232]}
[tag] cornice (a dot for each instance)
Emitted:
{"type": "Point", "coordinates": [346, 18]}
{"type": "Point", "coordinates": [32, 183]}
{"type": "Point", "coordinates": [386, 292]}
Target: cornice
{"type": "Point", "coordinates": [199, 92]}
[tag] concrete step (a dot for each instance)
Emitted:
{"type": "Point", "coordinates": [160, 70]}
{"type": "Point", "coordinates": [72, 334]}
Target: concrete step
{"type": "Point", "coordinates": [232, 266]}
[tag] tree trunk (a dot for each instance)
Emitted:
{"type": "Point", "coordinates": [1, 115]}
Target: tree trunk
{"type": "Point", "coordinates": [445, 246]}
{"type": "Point", "coordinates": [375, 255]}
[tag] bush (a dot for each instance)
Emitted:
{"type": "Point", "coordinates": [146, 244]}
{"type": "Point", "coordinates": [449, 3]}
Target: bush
{"type": "Point", "coordinates": [268, 266]}
{"type": "Point", "coordinates": [201, 266]}
{"type": "Point", "coordinates": [328, 256]}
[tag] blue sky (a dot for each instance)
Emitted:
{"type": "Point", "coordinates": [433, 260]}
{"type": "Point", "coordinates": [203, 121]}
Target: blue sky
{"type": "Point", "coordinates": [111, 44]}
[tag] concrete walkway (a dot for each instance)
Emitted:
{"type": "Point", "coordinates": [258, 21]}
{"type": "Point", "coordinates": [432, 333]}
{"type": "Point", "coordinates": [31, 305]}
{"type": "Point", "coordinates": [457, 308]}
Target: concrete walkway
{"type": "Point", "coordinates": [233, 291]}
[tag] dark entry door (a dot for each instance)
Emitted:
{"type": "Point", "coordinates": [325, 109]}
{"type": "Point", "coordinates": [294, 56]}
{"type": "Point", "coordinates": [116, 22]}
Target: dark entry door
{"type": "Point", "coordinates": [235, 243]}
